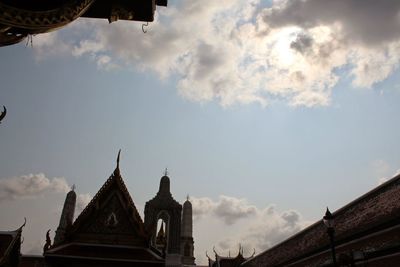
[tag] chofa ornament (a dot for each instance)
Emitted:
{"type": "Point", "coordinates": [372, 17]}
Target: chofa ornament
{"type": "Point", "coordinates": [3, 114]}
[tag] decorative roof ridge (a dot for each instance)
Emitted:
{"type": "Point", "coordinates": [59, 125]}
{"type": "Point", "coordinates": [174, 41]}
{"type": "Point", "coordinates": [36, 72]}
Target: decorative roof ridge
{"type": "Point", "coordinates": [107, 184]}
{"type": "Point", "coordinates": [117, 178]}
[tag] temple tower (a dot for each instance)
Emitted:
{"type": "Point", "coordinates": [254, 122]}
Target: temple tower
{"type": "Point", "coordinates": [67, 216]}
{"type": "Point", "coordinates": [164, 207]}
{"type": "Point", "coordinates": [187, 243]}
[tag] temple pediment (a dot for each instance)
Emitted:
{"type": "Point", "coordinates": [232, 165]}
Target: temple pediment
{"type": "Point", "coordinates": [108, 232]}
{"type": "Point", "coordinates": [110, 218]}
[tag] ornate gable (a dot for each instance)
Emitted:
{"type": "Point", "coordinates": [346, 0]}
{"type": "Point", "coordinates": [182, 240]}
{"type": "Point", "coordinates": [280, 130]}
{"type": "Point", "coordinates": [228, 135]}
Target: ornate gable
{"type": "Point", "coordinates": [110, 218]}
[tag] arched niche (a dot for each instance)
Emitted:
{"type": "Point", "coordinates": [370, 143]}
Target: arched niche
{"type": "Point", "coordinates": [161, 235]}
{"type": "Point", "coordinates": [164, 206]}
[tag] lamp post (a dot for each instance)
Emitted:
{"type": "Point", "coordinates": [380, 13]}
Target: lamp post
{"type": "Point", "coordinates": [329, 222]}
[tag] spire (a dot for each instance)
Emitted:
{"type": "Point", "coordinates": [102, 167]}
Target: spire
{"type": "Point", "coordinates": [116, 171]}
{"type": "Point", "coordinates": [187, 242]}
{"type": "Point", "coordinates": [166, 172]}
{"type": "Point", "coordinates": [73, 187]}
{"type": "Point", "coordinates": [187, 220]}
{"type": "Point", "coordinates": [187, 197]}
{"type": "Point", "coordinates": [67, 216]}
{"type": "Point", "coordinates": [164, 186]}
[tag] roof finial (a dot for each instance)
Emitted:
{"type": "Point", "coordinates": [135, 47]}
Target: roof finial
{"type": "Point", "coordinates": [187, 197]}
{"type": "Point", "coordinates": [3, 114]}
{"type": "Point", "coordinates": [119, 153]}
{"type": "Point", "coordinates": [47, 246]}
{"type": "Point", "coordinates": [166, 172]}
{"type": "Point", "coordinates": [23, 225]}
{"type": "Point", "coordinates": [116, 171]}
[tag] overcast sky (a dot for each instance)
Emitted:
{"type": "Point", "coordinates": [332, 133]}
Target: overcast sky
{"type": "Point", "coordinates": [264, 112]}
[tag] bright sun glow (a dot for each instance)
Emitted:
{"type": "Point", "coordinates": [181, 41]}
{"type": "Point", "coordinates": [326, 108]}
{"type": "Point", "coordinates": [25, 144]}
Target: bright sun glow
{"type": "Point", "coordinates": [281, 48]}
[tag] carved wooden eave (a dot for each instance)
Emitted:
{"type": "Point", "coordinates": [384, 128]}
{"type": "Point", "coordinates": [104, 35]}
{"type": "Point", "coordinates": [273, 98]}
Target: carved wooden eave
{"type": "Point", "coordinates": [20, 18]}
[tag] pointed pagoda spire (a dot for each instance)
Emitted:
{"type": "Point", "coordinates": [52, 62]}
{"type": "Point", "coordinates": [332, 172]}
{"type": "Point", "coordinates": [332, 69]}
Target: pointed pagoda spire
{"type": "Point", "coordinates": [117, 171]}
{"type": "Point", "coordinates": [67, 216]}
{"type": "Point", "coordinates": [187, 219]}
{"type": "Point", "coordinates": [187, 243]}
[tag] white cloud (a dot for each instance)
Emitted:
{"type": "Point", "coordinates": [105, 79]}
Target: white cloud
{"type": "Point", "coordinates": [383, 171]}
{"type": "Point", "coordinates": [31, 185]}
{"type": "Point", "coordinates": [252, 227]}
{"type": "Point", "coordinates": [229, 209]}
{"type": "Point", "coordinates": [81, 202]}
{"type": "Point", "coordinates": [382, 180]}
{"type": "Point", "coordinates": [241, 52]}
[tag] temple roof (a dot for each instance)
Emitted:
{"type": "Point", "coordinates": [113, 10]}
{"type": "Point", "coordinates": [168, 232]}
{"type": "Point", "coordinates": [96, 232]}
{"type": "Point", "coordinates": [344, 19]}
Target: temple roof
{"type": "Point", "coordinates": [113, 180]}
{"type": "Point", "coordinates": [106, 252]}
{"type": "Point", "coordinates": [110, 217]}
{"type": "Point", "coordinates": [20, 18]}
{"type": "Point", "coordinates": [221, 261]}
{"type": "Point", "coordinates": [376, 210]}
{"type": "Point", "coordinates": [9, 241]}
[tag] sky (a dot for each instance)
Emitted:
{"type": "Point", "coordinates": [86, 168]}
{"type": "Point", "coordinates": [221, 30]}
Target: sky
{"type": "Point", "coordinates": [264, 112]}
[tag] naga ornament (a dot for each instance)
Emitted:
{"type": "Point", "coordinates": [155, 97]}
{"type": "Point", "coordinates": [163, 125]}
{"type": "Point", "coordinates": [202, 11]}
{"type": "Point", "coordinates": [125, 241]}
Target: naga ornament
{"type": "Point", "coordinates": [3, 114]}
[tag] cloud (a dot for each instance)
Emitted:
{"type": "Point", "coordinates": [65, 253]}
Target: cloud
{"type": "Point", "coordinates": [272, 227]}
{"type": "Point", "coordinates": [229, 209]}
{"type": "Point", "coordinates": [366, 21]}
{"type": "Point", "coordinates": [81, 202]}
{"type": "Point", "coordinates": [266, 229]}
{"type": "Point", "coordinates": [242, 52]}
{"type": "Point", "coordinates": [31, 185]}
{"type": "Point", "coordinates": [49, 44]}
{"type": "Point", "coordinates": [260, 228]}
{"type": "Point", "coordinates": [382, 180]}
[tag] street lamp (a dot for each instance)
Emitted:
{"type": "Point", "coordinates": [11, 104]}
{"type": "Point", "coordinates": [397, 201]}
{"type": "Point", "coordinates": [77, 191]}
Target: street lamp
{"type": "Point", "coordinates": [329, 222]}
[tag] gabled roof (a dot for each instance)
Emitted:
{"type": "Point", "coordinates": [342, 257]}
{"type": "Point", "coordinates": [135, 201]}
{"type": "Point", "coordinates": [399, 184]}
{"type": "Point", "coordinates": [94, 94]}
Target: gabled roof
{"type": "Point", "coordinates": [113, 190]}
{"type": "Point", "coordinates": [114, 178]}
{"type": "Point", "coordinates": [10, 242]}
{"type": "Point", "coordinates": [7, 241]}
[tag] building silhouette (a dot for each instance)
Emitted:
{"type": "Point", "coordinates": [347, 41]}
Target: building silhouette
{"type": "Point", "coordinates": [110, 232]}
